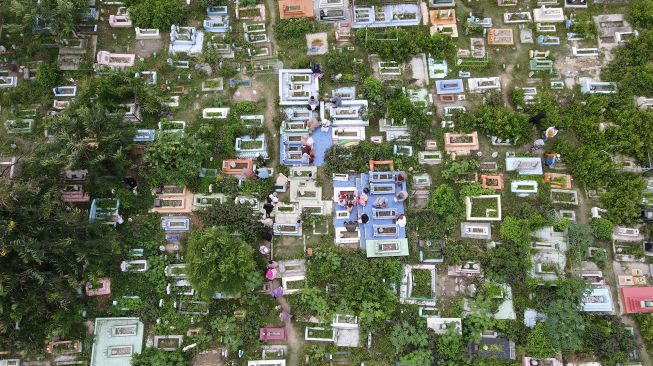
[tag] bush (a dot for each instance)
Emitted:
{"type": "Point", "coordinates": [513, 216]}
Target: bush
{"type": "Point", "coordinates": [173, 159]}
{"type": "Point", "coordinates": [602, 229]}
{"type": "Point", "coordinates": [538, 345]}
{"type": "Point", "coordinates": [641, 13]}
{"type": "Point", "coordinates": [161, 14]}
{"type": "Point", "coordinates": [410, 41]}
{"type": "Point", "coordinates": [293, 29]}
{"type": "Point", "coordinates": [580, 239]}
{"type": "Point", "coordinates": [497, 121]}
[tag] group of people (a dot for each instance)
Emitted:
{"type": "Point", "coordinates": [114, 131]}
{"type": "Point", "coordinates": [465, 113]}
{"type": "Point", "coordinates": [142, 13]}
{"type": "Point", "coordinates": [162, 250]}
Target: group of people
{"type": "Point", "coordinates": [551, 158]}
{"type": "Point", "coordinates": [349, 200]}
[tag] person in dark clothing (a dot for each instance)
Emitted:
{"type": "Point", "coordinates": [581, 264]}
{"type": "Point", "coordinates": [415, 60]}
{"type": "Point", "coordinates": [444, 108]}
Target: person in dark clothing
{"type": "Point", "coordinates": [268, 207]}
{"type": "Point", "coordinates": [364, 219]}
{"type": "Point", "coordinates": [267, 236]}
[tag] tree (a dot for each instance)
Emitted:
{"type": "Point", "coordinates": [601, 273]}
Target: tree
{"type": "Point", "coordinates": [405, 335]}
{"type": "Point", "coordinates": [641, 13]}
{"type": "Point", "coordinates": [173, 159]}
{"type": "Point", "coordinates": [580, 239]}
{"type": "Point", "coordinates": [538, 345]}
{"type": "Point", "coordinates": [161, 14]}
{"type": "Point", "coordinates": [623, 199]}
{"type": "Point", "coordinates": [497, 121]}
{"type": "Point", "coordinates": [420, 357]}
{"type": "Point", "coordinates": [564, 325]}
{"type": "Point", "coordinates": [218, 262]}
{"type": "Point", "coordinates": [236, 218]}
{"type": "Point", "coordinates": [608, 339]}
{"type": "Point", "coordinates": [155, 357]}
{"type": "Point", "coordinates": [450, 348]}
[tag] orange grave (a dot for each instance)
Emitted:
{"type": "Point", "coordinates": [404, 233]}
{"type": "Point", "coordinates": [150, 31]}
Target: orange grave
{"type": "Point", "coordinates": [388, 163]}
{"type": "Point", "coordinates": [558, 180]}
{"type": "Point", "coordinates": [237, 166]}
{"type": "Point", "coordinates": [492, 181]}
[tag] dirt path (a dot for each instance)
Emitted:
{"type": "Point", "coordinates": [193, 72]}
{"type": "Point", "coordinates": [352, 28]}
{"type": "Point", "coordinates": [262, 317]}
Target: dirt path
{"type": "Point", "coordinates": [271, 94]}
{"type": "Point", "coordinates": [294, 338]}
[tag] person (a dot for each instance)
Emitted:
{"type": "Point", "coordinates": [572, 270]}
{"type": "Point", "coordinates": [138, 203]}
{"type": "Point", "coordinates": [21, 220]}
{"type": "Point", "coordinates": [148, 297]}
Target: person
{"type": "Point", "coordinates": [401, 220]}
{"type": "Point", "coordinates": [401, 177]}
{"type": "Point", "coordinates": [306, 149]}
{"type": "Point", "coordinates": [267, 222]}
{"type": "Point", "coordinates": [310, 177]}
{"type": "Point", "coordinates": [264, 250]}
{"type": "Point", "coordinates": [351, 226]}
{"type": "Point", "coordinates": [342, 199]}
{"type": "Point", "coordinates": [551, 159]}
{"type": "Point", "coordinates": [312, 124]}
{"type": "Point", "coordinates": [274, 197]}
{"type": "Point", "coordinates": [362, 199]}
{"type": "Point", "coordinates": [401, 196]}
{"type": "Point", "coordinates": [381, 202]}
{"type": "Point", "coordinates": [272, 264]}
{"type": "Point", "coordinates": [337, 101]}
{"type": "Point", "coordinates": [307, 141]}
{"type": "Point", "coordinates": [537, 145]}
{"type": "Point", "coordinates": [350, 206]}
{"type": "Point", "coordinates": [267, 236]}
{"type": "Point", "coordinates": [306, 159]}
{"type": "Point", "coordinates": [313, 104]}
{"type": "Point", "coordinates": [326, 124]}
{"type": "Point", "coordinates": [550, 133]}
{"type": "Point", "coordinates": [268, 207]}
{"type": "Point", "coordinates": [364, 219]}
{"type": "Point", "coordinates": [117, 219]}
{"type": "Point", "coordinates": [262, 173]}
{"type": "Point", "coordinates": [247, 173]}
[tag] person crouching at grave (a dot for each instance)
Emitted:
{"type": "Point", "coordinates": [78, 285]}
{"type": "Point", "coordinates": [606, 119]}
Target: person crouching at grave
{"type": "Point", "coordinates": [400, 220]}
{"type": "Point", "coordinates": [307, 141]}
{"type": "Point", "coordinates": [313, 104]}
{"type": "Point", "coordinates": [381, 202]}
{"type": "Point", "coordinates": [401, 196]}
{"type": "Point", "coordinates": [401, 177]}
{"type": "Point", "coordinates": [551, 159]}
{"type": "Point", "coordinates": [312, 124]}
{"type": "Point", "coordinates": [362, 199]}
{"type": "Point", "coordinates": [351, 226]}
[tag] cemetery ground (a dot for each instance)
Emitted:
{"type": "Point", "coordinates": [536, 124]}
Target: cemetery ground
{"type": "Point", "coordinates": [139, 172]}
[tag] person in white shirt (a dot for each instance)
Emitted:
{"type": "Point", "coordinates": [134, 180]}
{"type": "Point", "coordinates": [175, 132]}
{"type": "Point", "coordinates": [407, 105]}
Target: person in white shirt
{"type": "Point", "coordinates": [550, 133]}
{"type": "Point", "coordinates": [401, 220]}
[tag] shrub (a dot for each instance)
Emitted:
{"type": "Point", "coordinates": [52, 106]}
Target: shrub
{"type": "Point", "coordinates": [602, 229]}
{"type": "Point", "coordinates": [497, 121]}
{"type": "Point", "coordinates": [580, 239]}
{"type": "Point", "coordinates": [161, 14]}
{"type": "Point", "coordinates": [173, 159]}
{"type": "Point", "coordinates": [293, 29]}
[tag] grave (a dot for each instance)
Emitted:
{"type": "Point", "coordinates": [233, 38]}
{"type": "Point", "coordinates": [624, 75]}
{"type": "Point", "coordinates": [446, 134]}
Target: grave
{"type": "Point", "coordinates": [138, 265]}
{"type": "Point", "coordinates": [147, 33]}
{"type": "Point", "coordinates": [460, 143]}
{"type": "Point", "coordinates": [188, 307]}
{"type": "Point", "coordinates": [515, 18]}
{"type": "Point", "coordinates": [121, 19]}
{"type": "Point", "coordinates": [175, 223]}
{"type": "Point", "coordinates": [104, 210]}
{"type": "Point", "coordinates": [252, 13]}
{"type": "Point", "coordinates": [500, 37]}
{"type": "Point", "coordinates": [418, 285]}
{"type": "Point", "coordinates": [545, 28]}
{"type": "Point", "coordinates": [526, 35]}
{"type": "Point", "coordinates": [100, 287]}
{"type": "Point", "coordinates": [523, 188]}
{"type": "Point", "coordinates": [296, 86]}
{"type": "Point", "coordinates": [576, 4]}
{"type": "Point", "coordinates": [548, 15]}
{"type": "Point", "coordinates": [588, 86]}
{"type": "Point", "coordinates": [558, 180]}
{"type": "Point", "coordinates": [585, 52]}
{"type": "Point", "coordinates": [543, 40]}
{"type": "Point", "coordinates": [389, 68]}
{"type": "Point", "coordinates": [444, 21]}
{"type": "Point", "coordinates": [64, 91]}
{"type": "Point", "coordinates": [186, 40]}
{"type": "Point", "coordinates": [168, 342]}
{"type": "Point", "coordinates": [115, 61]}
{"type": "Point", "coordinates": [524, 165]}
{"type": "Point", "coordinates": [18, 126]}
{"type": "Point", "coordinates": [567, 214]}
{"type": "Point", "coordinates": [150, 77]}
{"type": "Point", "coordinates": [494, 181]}
{"type": "Point", "coordinates": [389, 15]}
{"type": "Point", "coordinates": [215, 113]}
{"type": "Point", "coordinates": [437, 69]}
{"type": "Point", "coordinates": [317, 43]}
{"type": "Point", "coordinates": [251, 147]}
{"type": "Point", "coordinates": [429, 157]}
{"type": "Point", "coordinates": [176, 271]}
{"type": "Point", "coordinates": [541, 64]}
{"type": "Point", "coordinates": [480, 85]}
{"type": "Point", "coordinates": [476, 230]}
{"type": "Point", "coordinates": [452, 86]}
{"type": "Point", "coordinates": [483, 208]}
{"type": "Point", "coordinates": [144, 135]}
{"type": "Point", "coordinates": [564, 196]}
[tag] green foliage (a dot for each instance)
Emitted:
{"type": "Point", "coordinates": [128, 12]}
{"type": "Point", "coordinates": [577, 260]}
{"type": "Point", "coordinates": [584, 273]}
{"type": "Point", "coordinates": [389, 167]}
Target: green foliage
{"type": "Point", "coordinates": [564, 325]}
{"type": "Point", "coordinates": [159, 14]}
{"type": "Point", "coordinates": [508, 263]}
{"type": "Point", "coordinates": [154, 357]}
{"type": "Point", "coordinates": [173, 159]}
{"type": "Point", "coordinates": [608, 339]}
{"type": "Point", "coordinates": [602, 229]}
{"type": "Point", "coordinates": [420, 357]}
{"type": "Point", "coordinates": [631, 65]}
{"type": "Point", "coordinates": [405, 335]}
{"type": "Point", "coordinates": [589, 166]}
{"type": "Point", "coordinates": [378, 95]}
{"type": "Point", "coordinates": [474, 190]}
{"type": "Point", "coordinates": [641, 13]}
{"type": "Point", "coordinates": [218, 262]}
{"type": "Point", "coordinates": [580, 239]}
{"type": "Point", "coordinates": [417, 120]}
{"type": "Point", "coordinates": [454, 168]}
{"type": "Point", "coordinates": [457, 252]}
{"type": "Point", "coordinates": [444, 204]}
{"type": "Point", "coordinates": [497, 121]}
{"type": "Point", "coordinates": [47, 75]}
{"type": "Point", "coordinates": [645, 322]}
{"type": "Point", "coordinates": [312, 302]}
{"type": "Point", "coordinates": [236, 218]}
{"type": "Point", "coordinates": [292, 31]}
{"type": "Point", "coordinates": [410, 41]}
{"type": "Point", "coordinates": [583, 26]}
{"type": "Point", "coordinates": [623, 199]}
{"type": "Point", "coordinates": [450, 348]}
{"type": "Point", "coordinates": [341, 159]}
{"type": "Point", "coordinates": [538, 345]}
{"type": "Point", "coordinates": [230, 332]}
{"type": "Point", "coordinates": [519, 230]}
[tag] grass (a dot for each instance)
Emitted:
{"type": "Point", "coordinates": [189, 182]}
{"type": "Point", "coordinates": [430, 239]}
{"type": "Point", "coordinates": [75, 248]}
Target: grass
{"type": "Point", "coordinates": [320, 333]}
{"type": "Point", "coordinates": [421, 284]}
{"type": "Point", "coordinates": [481, 205]}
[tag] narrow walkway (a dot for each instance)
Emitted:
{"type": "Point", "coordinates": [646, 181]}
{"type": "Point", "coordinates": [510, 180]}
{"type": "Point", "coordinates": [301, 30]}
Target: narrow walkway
{"type": "Point", "coordinates": [294, 339]}
{"type": "Point", "coordinates": [270, 95]}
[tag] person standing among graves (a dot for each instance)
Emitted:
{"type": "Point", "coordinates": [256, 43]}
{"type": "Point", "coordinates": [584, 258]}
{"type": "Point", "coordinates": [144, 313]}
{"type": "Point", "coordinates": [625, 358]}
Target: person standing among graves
{"type": "Point", "coordinates": [401, 196]}
{"type": "Point", "coordinates": [537, 145]}
{"type": "Point", "coordinates": [262, 173]}
{"type": "Point", "coordinates": [268, 207]}
{"type": "Point", "coordinates": [401, 177]}
{"type": "Point", "coordinates": [550, 133]}
{"type": "Point", "coordinates": [364, 219]}
{"type": "Point", "coordinates": [312, 124]}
